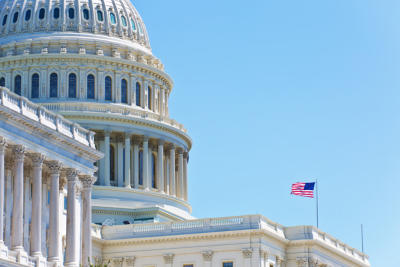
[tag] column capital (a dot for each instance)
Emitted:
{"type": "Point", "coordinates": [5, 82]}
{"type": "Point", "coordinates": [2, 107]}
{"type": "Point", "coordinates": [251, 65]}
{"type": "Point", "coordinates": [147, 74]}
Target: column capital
{"type": "Point", "coordinates": [3, 144]}
{"type": "Point", "coordinates": [107, 133]}
{"type": "Point", "coordinates": [161, 142]}
{"type": "Point", "coordinates": [168, 258]}
{"type": "Point", "coordinates": [179, 150]}
{"type": "Point", "coordinates": [247, 252]}
{"type": "Point", "coordinates": [127, 135]}
{"type": "Point", "coordinates": [54, 166]}
{"type": "Point", "coordinates": [171, 146]}
{"type": "Point", "coordinates": [37, 159]}
{"type": "Point", "coordinates": [87, 181]}
{"type": "Point", "coordinates": [185, 154]}
{"type": "Point", "coordinates": [19, 152]}
{"type": "Point", "coordinates": [72, 175]}
{"type": "Point", "coordinates": [207, 255]}
{"type": "Point", "coordinates": [145, 138]}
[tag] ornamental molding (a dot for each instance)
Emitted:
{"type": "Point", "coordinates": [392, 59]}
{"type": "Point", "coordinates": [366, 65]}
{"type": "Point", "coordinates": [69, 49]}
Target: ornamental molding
{"type": "Point", "coordinates": [247, 252]}
{"type": "Point", "coordinates": [37, 159]}
{"type": "Point", "coordinates": [168, 258]}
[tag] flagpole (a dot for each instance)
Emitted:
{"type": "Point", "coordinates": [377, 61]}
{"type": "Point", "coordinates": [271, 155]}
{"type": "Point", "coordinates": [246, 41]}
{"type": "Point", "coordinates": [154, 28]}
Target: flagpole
{"type": "Point", "coordinates": [362, 238]}
{"type": "Point", "coordinates": [316, 184]}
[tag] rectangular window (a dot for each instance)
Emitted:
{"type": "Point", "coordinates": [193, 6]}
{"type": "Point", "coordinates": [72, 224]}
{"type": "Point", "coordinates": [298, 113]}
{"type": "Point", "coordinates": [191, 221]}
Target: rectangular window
{"type": "Point", "coordinates": [227, 264]}
{"type": "Point", "coordinates": [188, 265]}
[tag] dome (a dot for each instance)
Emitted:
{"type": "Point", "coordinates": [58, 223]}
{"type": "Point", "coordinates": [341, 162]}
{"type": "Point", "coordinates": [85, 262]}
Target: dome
{"type": "Point", "coordinates": [113, 20]}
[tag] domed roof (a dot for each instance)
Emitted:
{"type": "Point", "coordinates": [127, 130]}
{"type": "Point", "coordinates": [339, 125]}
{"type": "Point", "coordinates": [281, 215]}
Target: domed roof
{"type": "Point", "coordinates": [98, 19]}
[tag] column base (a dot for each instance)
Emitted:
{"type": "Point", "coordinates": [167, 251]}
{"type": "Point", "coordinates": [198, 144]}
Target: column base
{"type": "Point", "coordinates": [71, 264]}
{"type": "Point", "coordinates": [3, 250]}
{"type": "Point", "coordinates": [22, 256]}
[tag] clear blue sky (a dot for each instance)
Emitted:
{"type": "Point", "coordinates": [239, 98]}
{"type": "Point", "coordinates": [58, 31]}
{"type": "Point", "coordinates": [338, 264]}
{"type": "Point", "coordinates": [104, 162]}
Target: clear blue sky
{"type": "Point", "coordinates": [275, 92]}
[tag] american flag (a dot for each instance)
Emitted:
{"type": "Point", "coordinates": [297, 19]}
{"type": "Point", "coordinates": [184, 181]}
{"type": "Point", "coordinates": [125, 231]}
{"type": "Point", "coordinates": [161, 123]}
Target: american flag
{"type": "Point", "coordinates": [303, 189]}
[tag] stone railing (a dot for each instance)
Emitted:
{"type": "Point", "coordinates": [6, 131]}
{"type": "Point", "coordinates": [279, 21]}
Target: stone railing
{"type": "Point", "coordinates": [112, 108]}
{"type": "Point", "coordinates": [47, 118]}
{"type": "Point", "coordinates": [192, 227]}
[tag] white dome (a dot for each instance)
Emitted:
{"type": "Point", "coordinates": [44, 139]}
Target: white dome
{"type": "Point", "coordinates": [93, 19]}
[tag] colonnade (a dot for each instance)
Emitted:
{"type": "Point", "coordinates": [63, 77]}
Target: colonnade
{"type": "Point", "coordinates": [142, 162]}
{"type": "Point", "coordinates": [15, 161]}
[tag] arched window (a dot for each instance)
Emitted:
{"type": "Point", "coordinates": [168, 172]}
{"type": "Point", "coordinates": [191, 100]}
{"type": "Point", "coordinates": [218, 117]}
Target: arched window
{"type": "Point", "coordinates": [124, 91]}
{"type": "Point", "coordinates": [141, 167]}
{"type": "Point", "coordinates": [112, 18]}
{"type": "Point", "coordinates": [133, 25]}
{"type": "Point", "coordinates": [138, 94]}
{"type": "Point", "coordinates": [140, 29]}
{"type": "Point", "coordinates": [86, 14]}
{"type": "Point", "coordinates": [90, 86]}
{"type": "Point", "coordinates": [53, 85]}
{"type": "Point", "coordinates": [35, 86]}
{"type": "Point", "coordinates": [15, 17]}
{"type": "Point", "coordinates": [42, 12]}
{"type": "Point", "coordinates": [149, 103]}
{"type": "Point", "coordinates": [17, 84]}
{"type": "Point", "coordinates": [99, 15]}
{"type": "Point", "coordinates": [153, 170]}
{"type": "Point", "coordinates": [4, 20]}
{"type": "Point", "coordinates": [108, 88]}
{"type": "Point", "coordinates": [28, 14]}
{"type": "Point", "coordinates": [71, 13]}
{"type": "Point", "coordinates": [72, 85]}
{"type": "Point", "coordinates": [2, 81]}
{"type": "Point", "coordinates": [123, 19]}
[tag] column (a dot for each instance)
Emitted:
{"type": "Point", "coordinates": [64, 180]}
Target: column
{"type": "Point", "coordinates": [71, 259]}
{"type": "Point", "coordinates": [146, 176]}
{"type": "Point", "coordinates": [107, 158]}
{"type": "Point", "coordinates": [168, 259]}
{"type": "Point", "coordinates": [179, 186]}
{"type": "Point", "coordinates": [172, 187]}
{"type": "Point", "coordinates": [247, 254]}
{"type": "Point", "coordinates": [136, 164]}
{"type": "Point", "coordinates": [36, 224]}
{"type": "Point", "coordinates": [87, 183]}
{"type": "Point", "coordinates": [185, 175]}
{"type": "Point", "coordinates": [127, 160]}
{"type": "Point", "coordinates": [17, 233]}
{"type": "Point", "coordinates": [2, 192]}
{"type": "Point", "coordinates": [160, 166]}
{"type": "Point", "coordinates": [120, 163]}
{"type": "Point", "coordinates": [101, 162]}
{"type": "Point", "coordinates": [166, 175]}
{"type": "Point", "coordinates": [54, 216]}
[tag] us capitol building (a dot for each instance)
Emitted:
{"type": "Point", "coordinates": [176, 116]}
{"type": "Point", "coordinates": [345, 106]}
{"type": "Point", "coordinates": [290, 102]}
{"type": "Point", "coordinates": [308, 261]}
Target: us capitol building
{"type": "Point", "coordinates": [92, 168]}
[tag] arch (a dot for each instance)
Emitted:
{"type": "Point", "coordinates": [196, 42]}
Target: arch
{"type": "Point", "coordinates": [15, 17]}
{"type": "Point", "coordinates": [124, 91]}
{"type": "Point", "coordinates": [108, 88]}
{"type": "Point", "coordinates": [72, 85]}
{"type": "Point", "coordinates": [113, 20]}
{"type": "Point", "coordinates": [141, 167]}
{"type": "Point", "coordinates": [149, 100]}
{"type": "Point", "coordinates": [42, 13]}
{"type": "Point", "coordinates": [28, 14]}
{"type": "Point", "coordinates": [71, 13]}
{"type": "Point", "coordinates": [35, 86]}
{"type": "Point", "coordinates": [56, 13]}
{"type": "Point", "coordinates": [2, 82]}
{"type": "Point", "coordinates": [85, 12]}
{"type": "Point", "coordinates": [90, 83]}
{"type": "Point", "coordinates": [133, 25]}
{"type": "Point", "coordinates": [53, 85]}
{"type": "Point", "coordinates": [17, 84]}
{"type": "Point", "coordinates": [100, 16]}
{"type": "Point", "coordinates": [138, 94]}
{"type": "Point", "coordinates": [4, 20]}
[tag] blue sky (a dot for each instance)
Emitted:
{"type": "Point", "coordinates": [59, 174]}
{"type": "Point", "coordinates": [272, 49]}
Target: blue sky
{"type": "Point", "coordinates": [275, 92]}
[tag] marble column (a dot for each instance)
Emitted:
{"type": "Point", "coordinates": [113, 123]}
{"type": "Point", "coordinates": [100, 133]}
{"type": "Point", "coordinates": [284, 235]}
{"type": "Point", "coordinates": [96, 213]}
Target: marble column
{"type": "Point", "coordinates": [2, 190]}
{"type": "Point", "coordinates": [179, 186]}
{"type": "Point", "coordinates": [146, 175]}
{"type": "Point", "coordinates": [172, 187]}
{"type": "Point", "coordinates": [54, 216]}
{"type": "Point", "coordinates": [160, 166]}
{"type": "Point", "coordinates": [207, 258]}
{"type": "Point", "coordinates": [185, 175]}
{"type": "Point", "coordinates": [71, 259]}
{"type": "Point", "coordinates": [136, 164]}
{"type": "Point", "coordinates": [120, 163]}
{"type": "Point", "coordinates": [127, 160]}
{"type": "Point", "coordinates": [107, 159]}
{"type": "Point", "coordinates": [87, 183]}
{"type": "Point", "coordinates": [17, 233]}
{"type": "Point", "coordinates": [36, 223]}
